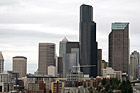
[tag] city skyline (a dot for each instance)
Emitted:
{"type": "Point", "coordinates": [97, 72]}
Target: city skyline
{"type": "Point", "coordinates": [20, 36]}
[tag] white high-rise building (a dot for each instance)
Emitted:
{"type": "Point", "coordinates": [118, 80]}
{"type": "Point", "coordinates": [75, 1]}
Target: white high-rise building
{"type": "Point", "coordinates": [1, 63]}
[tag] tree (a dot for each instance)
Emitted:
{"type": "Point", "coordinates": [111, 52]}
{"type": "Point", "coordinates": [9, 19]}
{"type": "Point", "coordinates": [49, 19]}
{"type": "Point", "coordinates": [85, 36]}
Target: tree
{"type": "Point", "coordinates": [90, 90]}
{"type": "Point", "coordinates": [126, 87]}
{"type": "Point", "coordinates": [50, 91]}
{"type": "Point", "coordinates": [104, 82]}
{"type": "Point", "coordinates": [107, 87]}
{"type": "Point", "coordinates": [45, 90]}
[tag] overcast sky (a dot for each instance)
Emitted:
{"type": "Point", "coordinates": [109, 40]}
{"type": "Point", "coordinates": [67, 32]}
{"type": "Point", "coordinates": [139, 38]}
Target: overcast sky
{"type": "Point", "coordinates": [25, 23]}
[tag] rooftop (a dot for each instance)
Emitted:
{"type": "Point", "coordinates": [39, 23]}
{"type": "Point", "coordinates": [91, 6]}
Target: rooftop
{"type": "Point", "coordinates": [20, 57]}
{"type": "Point", "coordinates": [65, 40]}
{"type": "Point", "coordinates": [86, 5]}
{"type": "Point", "coordinates": [119, 26]}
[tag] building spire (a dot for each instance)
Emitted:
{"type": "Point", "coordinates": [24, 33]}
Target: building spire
{"type": "Point", "coordinates": [65, 39]}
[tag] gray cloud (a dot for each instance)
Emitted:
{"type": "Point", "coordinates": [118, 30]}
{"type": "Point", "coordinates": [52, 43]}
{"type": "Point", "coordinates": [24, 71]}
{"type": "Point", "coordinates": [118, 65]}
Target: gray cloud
{"type": "Point", "coordinates": [60, 18]}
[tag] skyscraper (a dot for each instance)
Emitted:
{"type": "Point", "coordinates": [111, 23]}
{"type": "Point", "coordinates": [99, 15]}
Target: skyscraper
{"type": "Point", "coordinates": [69, 51]}
{"type": "Point", "coordinates": [119, 47]}
{"type": "Point", "coordinates": [20, 65]}
{"type": "Point", "coordinates": [62, 47]}
{"type": "Point", "coordinates": [134, 64]}
{"type": "Point", "coordinates": [1, 63]}
{"type": "Point", "coordinates": [88, 45]}
{"type": "Point", "coordinates": [46, 57]}
{"type": "Point", "coordinates": [65, 46]}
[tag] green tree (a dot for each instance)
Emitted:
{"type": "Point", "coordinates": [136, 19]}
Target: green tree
{"type": "Point", "coordinates": [45, 90]}
{"type": "Point", "coordinates": [50, 91]}
{"type": "Point", "coordinates": [126, 87]}
{"type": "Point", "coordinates": [104, 82]}
{"type": "Point", "coordinates": [90, 90]}
{"type": "Point", "coordinates": [107, 87]}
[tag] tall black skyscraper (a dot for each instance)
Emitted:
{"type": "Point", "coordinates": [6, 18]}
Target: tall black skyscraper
{"type": "Point", "coordinates": [88, 44]}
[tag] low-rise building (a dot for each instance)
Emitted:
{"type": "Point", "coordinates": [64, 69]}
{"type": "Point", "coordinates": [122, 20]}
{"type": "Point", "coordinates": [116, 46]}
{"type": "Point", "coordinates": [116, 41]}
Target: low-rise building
{"type": "Point", "coordinates": [36, 78]}
{"type": "Point", "coordinates": [57, 86]}
{"type": "Point", "coordinates": [6, 87]}
{"type": "Point", "coordinates": [111, 73]}
{"type": "Point", "coordinates": [74, 76]}
{"type": "Point", "coordinates": [5, 77]}
{"type": "Point", "coordinates": [79, 89]}
{"type": "Point", "coordinates": [36, 87]}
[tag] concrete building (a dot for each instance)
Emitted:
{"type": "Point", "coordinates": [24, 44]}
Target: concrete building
{"type": "Point", "coordinates": [36, 87]}
{"type": "Point", "coordinates": [46, 57]}
{"type": "Point", "coordinates": [31, 78]}
{"type": "Point", "coordinates": [20, 65]}
{"type": "Point", "coordinates": [52, 71]}
{"type": "Point", "coordinates": [7, 81]}
{"type": "Point", "coordinates": [5, 77]}
{"type": "Point", "coordinates": [134, 64]}
{"type": "Point", "coordinates": [79, 89]}
{"type": "Point", "coordinates": [99, 60]}
{"type": "Point", "coordinates": [119, 47]}
{"type": "Point", "coordinates": [88, 44]}
{"type": "Point", "coordinates": [1, 63]}
{"type": "Point", "coordinates": [111, 73]}
{"type": "Point", "coordinates": [74, 76]}
{"type": "Point", "coordinates": [6, 87]}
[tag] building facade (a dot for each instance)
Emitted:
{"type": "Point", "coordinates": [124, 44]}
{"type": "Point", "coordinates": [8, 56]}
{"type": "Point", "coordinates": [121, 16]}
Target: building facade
{"type": "Point", "coordinates": [111, 73]}
{"type": "Point", "coordinates": [36, 87]}
{"type": "Point", "coordinates": [69, 51]}
{"type": "Point", "coordinates": [74, 76]}
{"type": "Point", "coordinates": [60, 66]}
{"type": "Point", "coordinates": [5, 77]}
{"type": "Point", "coordinates": [20, 65]}
{"type": "Point", "coordinates": [99, 61]}
{"type": "Point", "coordinates": [104, 64]}
{"type": "Point", "coordinates": [46, 57]}
{"type": "Point", "coordinates": [134, 64]}
{"type": "Point", "coordinates": [57, 86]}
{"type": "Point", "coordinates": [1, 63]}
{"type": "Point", "coordinates": [119, 47]}
{"type": "Point", "coordinates": [52, 71]}
{"type": "Point", "coordinates": [74, 90]}
{"type": "Point", "coordinates": [88, 44]}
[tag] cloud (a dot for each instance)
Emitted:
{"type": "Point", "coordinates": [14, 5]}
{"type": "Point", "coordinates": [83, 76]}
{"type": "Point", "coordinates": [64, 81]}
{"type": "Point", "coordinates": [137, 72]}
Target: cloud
{"type": "Point", "coordinates": [25, 23]}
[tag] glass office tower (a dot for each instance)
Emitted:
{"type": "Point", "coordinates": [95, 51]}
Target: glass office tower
{"type": "Point", "coordinates": [88, 44]}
